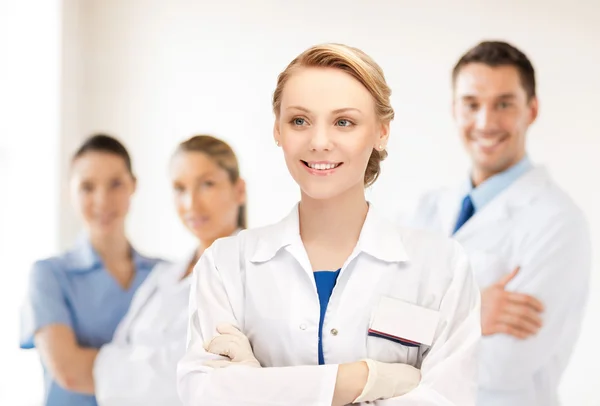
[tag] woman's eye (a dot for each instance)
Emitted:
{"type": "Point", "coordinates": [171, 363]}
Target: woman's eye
{"type": "Point", "coordinates": [299, 121]}
{"type": "Point", "coordinates": [344, 123]}
{"type": "Point", "coordinates": [87, 188]}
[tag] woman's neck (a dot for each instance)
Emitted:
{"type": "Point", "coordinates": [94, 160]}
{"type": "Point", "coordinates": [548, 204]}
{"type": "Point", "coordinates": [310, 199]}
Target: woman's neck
{"type": "Point", "coordinates": [112, 248]}
{"type": "Point", "coordinates": [337, 221]}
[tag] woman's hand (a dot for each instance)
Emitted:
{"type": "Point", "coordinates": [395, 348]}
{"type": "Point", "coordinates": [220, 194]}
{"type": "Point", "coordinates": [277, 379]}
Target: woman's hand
{"type": "Point", "coordinates": [233, 344]}
{"type": "Point", "coordinates": [370, 380]}
{"type": "Point", "coordinates": [387, 380]}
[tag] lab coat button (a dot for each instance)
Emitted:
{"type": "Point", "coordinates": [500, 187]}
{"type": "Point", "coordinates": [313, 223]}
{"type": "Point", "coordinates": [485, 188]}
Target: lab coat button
{"type": "Point", "coordinates": [302, 326]}
{"type": "Point", "coordinates": [334, 332]}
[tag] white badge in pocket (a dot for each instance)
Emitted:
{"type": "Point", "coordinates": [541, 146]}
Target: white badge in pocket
{"type": "Point", "coordinates": [404, 322]}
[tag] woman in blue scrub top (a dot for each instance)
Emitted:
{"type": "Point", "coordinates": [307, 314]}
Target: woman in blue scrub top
{"type": "Point", "coordinates": [76, 300]}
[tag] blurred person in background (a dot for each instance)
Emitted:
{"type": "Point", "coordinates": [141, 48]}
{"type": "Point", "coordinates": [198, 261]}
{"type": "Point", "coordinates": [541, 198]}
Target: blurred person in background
{"type": "Point", "coordinates": [76, 300]}
{"type": "Point", "coordinates": [527, 240]}
{"type": "Point", "coordinates": [139, 366]}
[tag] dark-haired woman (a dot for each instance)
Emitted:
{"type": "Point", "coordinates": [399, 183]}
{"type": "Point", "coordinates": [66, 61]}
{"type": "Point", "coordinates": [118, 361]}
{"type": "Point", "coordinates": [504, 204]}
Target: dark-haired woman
{"type": "Point", "coordinates": [76, 300]}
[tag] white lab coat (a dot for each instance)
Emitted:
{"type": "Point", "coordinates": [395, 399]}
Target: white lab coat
{"type": "Point", "coordinates": [534, 225]}
{"type": "Point", "coordinates": [139, 366]}
{"type": "Point", "coordinates": [262, 282]}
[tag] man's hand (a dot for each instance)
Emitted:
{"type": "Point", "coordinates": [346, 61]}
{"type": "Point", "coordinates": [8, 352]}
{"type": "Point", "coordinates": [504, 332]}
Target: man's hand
{"type": "Point", "coordinates": [233, 344]}
{"type": "Point", "coordinates": [510, 313]}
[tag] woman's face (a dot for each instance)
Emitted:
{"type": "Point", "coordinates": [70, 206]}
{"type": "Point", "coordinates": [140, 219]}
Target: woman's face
{"type": "Point", "coordinates": [101, 190]}
{"type": "Point", "coordinates": [207, 201]}
{"type": "Point", "coordinates": [328, 128]}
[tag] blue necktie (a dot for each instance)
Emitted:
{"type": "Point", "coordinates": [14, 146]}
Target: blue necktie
{"type": "Point", "coordinates": [466, 212]}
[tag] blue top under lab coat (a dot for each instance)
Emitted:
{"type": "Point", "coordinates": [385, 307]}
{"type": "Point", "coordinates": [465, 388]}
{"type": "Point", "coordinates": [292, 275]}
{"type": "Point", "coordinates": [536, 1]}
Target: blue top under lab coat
{"type": "Point", "coordinates": [75, 289]}
{"type": "Point", "coordinates": [325, 281]}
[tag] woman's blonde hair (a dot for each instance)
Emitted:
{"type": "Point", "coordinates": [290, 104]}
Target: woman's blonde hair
{"type": "Point", "coordinates": [223, 155]}
{"type": "Point", "coordinates": [360, 66]}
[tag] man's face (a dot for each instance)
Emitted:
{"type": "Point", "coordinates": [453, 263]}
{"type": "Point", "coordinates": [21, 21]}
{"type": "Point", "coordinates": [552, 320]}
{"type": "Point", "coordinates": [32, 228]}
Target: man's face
{"type": "Point", "coordinates": [492, 112]}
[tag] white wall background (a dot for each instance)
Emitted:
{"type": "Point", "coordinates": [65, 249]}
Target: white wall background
{"type": "Point", "coordinates": [155, 72]}
{"type": "Point", "coordinates": [30, 49]}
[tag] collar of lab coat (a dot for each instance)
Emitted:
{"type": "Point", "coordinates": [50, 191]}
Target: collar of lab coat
{"type": "Point", "coordinates": [378, 238]}
{"type": "Point", "coordinates": [517, 195]}
{"type": "Point", "coordinates": [180, 268]}
{"type": "Point", "coordinates": [170, 275]}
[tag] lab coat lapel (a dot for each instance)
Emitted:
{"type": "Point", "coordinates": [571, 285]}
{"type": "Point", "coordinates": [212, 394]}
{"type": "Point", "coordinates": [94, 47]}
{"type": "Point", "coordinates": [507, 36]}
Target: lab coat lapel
{"type": "Point", "coordinates": [448, 208]}
{"type": "Point", "coordinates": [499, 209]}
{"type": "Point", "coordinates": [140, 298]}
{"type": "Point", "coordinates": [284, 235]}
{"type": "Point", "coordinates": [156, 280]}
{"type": "Point", "coordinates": [494, 212]}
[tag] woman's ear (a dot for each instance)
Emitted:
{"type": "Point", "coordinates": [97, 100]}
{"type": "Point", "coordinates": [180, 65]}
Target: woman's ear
{"type": "Point", "coordinates": [133, 184]}
{"type": "Point", "coordinates": [276, 133]}
{"type": "Point", "coordinates": [383, 136]}
{"type": "Point", "coordinates": [240, 191]}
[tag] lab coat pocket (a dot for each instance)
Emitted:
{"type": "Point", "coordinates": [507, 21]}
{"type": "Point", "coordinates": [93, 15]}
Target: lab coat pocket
{"type": "Point", "coordinates": [386, 349]}
{"type": "Point", "coordinates": [398, 329]}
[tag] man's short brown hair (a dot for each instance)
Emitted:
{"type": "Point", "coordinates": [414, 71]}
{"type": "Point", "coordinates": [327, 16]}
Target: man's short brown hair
{"type": "Point", "coordinates": [498, 53]}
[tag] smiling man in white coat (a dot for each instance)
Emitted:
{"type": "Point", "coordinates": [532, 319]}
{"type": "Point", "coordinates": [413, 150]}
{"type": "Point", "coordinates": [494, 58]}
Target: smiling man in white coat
{"type": "Point", "coordinates": [528, 242]}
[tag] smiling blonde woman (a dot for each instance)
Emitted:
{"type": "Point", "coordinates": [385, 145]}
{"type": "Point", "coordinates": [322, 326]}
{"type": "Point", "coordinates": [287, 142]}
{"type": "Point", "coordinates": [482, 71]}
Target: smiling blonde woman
{"type": "Point", "coordinates": [332, 305]}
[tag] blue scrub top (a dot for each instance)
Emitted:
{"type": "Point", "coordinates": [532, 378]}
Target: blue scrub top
{"type": "Point", "coordinates": [76, 290]}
